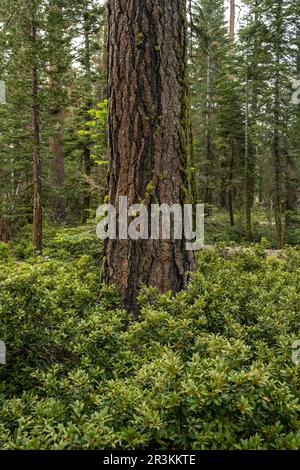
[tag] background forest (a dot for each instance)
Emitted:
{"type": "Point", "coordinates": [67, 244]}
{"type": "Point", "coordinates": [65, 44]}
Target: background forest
{"type": "Point", "coordinates": [245, 125]}
{"type": "Point", "coordinates": [211, 367]}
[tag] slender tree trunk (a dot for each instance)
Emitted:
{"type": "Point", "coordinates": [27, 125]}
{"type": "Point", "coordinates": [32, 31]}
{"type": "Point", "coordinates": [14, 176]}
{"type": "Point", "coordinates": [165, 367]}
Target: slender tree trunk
{"type": "Point", "coordinates": [148, 138]}
{"type": "Point", "coordinates": [276, 150]}
{"type": "Point", "coordinates": [248, 176]}
{"type": "Point", "coordinates": [252, 120]}
{"type": "Point", "coordinates": [103, 58]}
{"type": "Point", "coordinates": [292, 176]}
{"type": "Point", "coordinates": [191, 158]}
{"type": "Point", "coordinates": [232, 20]}
{"type": "Point", "coordinates": [57, 171]}
{"type": "Point", "coordinates": [250, 125]}
{"type": "Point", "coordinates": [56, 151]}
{"type": "Point", "coordinates": [5, 230]}
{"type": "Point", "coordinates": [57, 113]}
{"type": "Point", "coordinates": [87, 161]}
{"type": "Point", "coordinates": [230, 190]}
{"type": "Point", "coordinates": [277, 192]}
{"type": "Point", "coordinates": [36, 157]}
{"type": "Point", "coordinates": [208, 155]}
{"type": "Point", "coordinates": [87, 165]}
{"type": "Point", "coordinates": [102, 170]}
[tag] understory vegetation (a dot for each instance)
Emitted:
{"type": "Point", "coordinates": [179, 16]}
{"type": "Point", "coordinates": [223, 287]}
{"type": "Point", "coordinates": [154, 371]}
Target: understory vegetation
{"type": "Point", "coordinates": [218, 229]}
{"type": "Point", "coordinates": [208, 369]}
{"type": "Point", "coordinates": [140, 111]}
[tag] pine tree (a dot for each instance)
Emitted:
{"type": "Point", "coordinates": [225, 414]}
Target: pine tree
{"type": "Point", "coordinates": [58, 54]}
{"type": "Point", "coordinates": [209, 46]}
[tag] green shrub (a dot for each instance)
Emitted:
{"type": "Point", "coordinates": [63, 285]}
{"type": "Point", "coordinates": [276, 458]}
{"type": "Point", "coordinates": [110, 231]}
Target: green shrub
{"type": "Point", "coordinates": [72, 242]}
{"type": "Point", "coordinates": [59, 243]}
{"type": "Point", "coordinates": [5, 253]}
{"type": "Point", "coordinates": [208, 369]}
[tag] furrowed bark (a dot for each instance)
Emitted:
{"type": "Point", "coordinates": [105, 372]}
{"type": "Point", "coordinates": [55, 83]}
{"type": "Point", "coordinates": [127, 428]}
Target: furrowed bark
{"type": "Point", "coordinates": [148, 138]}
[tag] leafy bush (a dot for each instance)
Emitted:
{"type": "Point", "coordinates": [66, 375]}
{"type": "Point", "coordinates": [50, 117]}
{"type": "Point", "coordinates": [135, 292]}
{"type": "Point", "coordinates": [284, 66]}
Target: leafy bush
{"type": "Point", "coordinates": [59, 243]}
{"type": "Point", "coordinates": [293, 227]}
{"type": "Point", "coordinates": [4, 252]}
{"type": "Point", "coordinates": [218, 229]}
{"type": "Point", "coordinates": [208, 369]}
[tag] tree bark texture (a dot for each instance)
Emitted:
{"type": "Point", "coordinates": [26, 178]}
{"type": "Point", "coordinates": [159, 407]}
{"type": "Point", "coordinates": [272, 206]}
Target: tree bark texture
{"type": "Point", "coordinates": [148, 138]}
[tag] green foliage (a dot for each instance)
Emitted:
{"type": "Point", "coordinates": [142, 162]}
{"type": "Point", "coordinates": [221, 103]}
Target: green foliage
{"type": "Point", "coordinates": [96, 131]}
{"type": "Point", "coordinates": [209, 369]}
{"type": "Point", "coordinates": [68, 53]}
{"type": "Point", "coordinates": [292, 227]}
{"type": "Point", "coordinates": [4, 252]}
{"type": "Point", "coordinates": [218, 229]}
{"type": "Point", "coordinates": [72, 242]}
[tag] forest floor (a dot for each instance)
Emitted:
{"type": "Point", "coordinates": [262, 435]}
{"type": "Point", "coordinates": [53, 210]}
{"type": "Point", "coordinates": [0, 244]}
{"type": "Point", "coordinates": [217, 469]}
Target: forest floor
{"type": "Point", "coordinates": [219, 231]}
{"type": "Point", "coordinates": [229, 250]}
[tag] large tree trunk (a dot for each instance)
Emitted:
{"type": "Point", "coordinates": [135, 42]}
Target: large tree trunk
{"type": "Point", "coordinates": [36, 157]}
{"type": "Point", "coordinates": [148, 121]}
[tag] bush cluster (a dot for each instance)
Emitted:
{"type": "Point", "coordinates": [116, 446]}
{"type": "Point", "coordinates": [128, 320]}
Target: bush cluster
{"type": "Point", "coordinates": [208, 369]}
